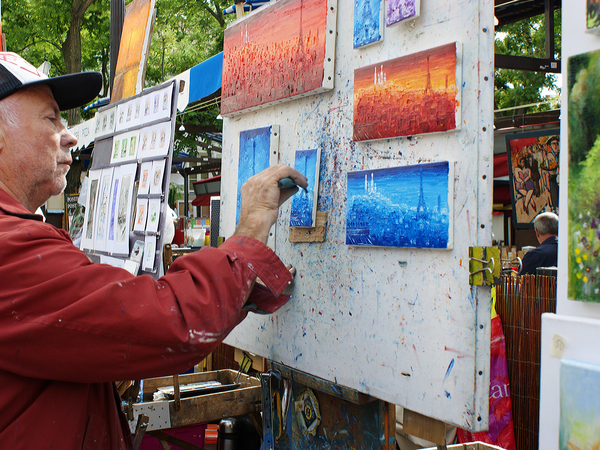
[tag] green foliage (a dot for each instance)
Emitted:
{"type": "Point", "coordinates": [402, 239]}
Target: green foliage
{"type": "Point", "coordinates": [584, 106]}
{"type": "Point", "coordinates": [515, 87]}
{"type": "Point", "coordinates": [187, 142]}
{"type": "Point", "coordinates": [175, 193]}
{"type": "Point", "coordinates": [186, 32]}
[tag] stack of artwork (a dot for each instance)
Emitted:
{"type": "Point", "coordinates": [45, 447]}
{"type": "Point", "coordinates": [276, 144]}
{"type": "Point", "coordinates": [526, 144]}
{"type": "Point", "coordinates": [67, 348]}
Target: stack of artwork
{"type": "Point", "coordinates": [407, 96]}
{"type": "Point", "coordinates": [121, 208]}
{"type": "Point", "coordinates": [533, 163]}
{"type": "Point", "coordinates": [583, 99]}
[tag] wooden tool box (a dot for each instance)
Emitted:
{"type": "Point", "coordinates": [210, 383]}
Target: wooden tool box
{"type": "Point", "coordinates": [179, 412]}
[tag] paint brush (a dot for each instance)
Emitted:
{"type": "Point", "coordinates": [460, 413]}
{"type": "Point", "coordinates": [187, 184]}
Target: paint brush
{"type": "Point", "coordinates": [287, 182]}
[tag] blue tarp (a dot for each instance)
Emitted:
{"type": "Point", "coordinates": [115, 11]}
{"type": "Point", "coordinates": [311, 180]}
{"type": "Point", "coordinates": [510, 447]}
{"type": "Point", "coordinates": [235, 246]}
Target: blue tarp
{"type": "Point", "coordinates": [206, 78]}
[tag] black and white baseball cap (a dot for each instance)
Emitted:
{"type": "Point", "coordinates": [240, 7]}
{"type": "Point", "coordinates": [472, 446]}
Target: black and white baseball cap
{"type": "Point", "coordinates": [70, 91]}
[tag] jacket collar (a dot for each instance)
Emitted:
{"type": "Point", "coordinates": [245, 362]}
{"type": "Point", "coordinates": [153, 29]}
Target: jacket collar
{"type": "Point", "coordinates": [11, 207]}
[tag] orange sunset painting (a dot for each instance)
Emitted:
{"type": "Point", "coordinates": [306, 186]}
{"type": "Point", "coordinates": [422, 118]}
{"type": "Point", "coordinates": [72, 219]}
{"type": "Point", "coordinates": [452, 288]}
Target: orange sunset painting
{"type": "Point", "coordinates": [274, 54]}
{"type": "Point", "coordinates": [406, 96]}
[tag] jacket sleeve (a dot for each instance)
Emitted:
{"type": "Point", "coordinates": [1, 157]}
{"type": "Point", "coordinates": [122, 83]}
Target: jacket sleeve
{"type": "Point", "coordinates": [65, 318]}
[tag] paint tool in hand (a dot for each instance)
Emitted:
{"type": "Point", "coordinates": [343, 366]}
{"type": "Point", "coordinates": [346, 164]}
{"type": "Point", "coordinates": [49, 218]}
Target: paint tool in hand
{"type": "Point", "coordinates": [287, 182]}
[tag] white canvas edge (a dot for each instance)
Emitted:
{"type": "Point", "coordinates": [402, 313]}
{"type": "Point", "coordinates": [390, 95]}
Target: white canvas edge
{"type": "Point", "coordinates": [273, 160]}
{"type": "Point", "coordinates": [577, 334]}
{"type": "Point", "coordinates": [88, 244]}
{"type": "Point", "coordinates": [329, 62]}
{"type": "Point", "coordinates": [381, 27]}
{"type": "Point", "coordinates": [458, 98]}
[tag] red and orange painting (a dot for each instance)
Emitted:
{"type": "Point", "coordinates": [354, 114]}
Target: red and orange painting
{"type": "Point", "coordinates": [274, 54]}
{"type": "Point", "coordinates": [410, 95]}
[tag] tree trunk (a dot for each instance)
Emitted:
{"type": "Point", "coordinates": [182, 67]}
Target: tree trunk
{"type": "Point", "coordinates": [71, 49]}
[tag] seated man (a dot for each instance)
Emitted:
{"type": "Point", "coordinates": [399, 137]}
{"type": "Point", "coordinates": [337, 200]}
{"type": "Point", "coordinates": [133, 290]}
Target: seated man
{"type": "Point", "coordinates": [546, 231]}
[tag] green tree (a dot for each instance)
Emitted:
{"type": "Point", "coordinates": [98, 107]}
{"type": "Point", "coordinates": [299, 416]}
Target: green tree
{"type": "Point", "coordinates": [187, 32]}
{"type": "Point", "coordinates": [50, 30]}
{"type": "Point", "coordinates": [517, 87]}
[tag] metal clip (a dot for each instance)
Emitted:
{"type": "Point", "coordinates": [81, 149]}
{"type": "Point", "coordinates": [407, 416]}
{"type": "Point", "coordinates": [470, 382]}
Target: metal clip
{"type": "Point", "coordinates": [484, 266]}
{"type": "Point", "coordinates": [491, 260]}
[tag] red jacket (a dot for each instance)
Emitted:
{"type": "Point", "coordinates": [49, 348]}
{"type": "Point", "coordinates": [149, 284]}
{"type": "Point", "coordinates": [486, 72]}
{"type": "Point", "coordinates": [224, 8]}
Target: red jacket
{"type": "Point", "coordinates": [70, 328]}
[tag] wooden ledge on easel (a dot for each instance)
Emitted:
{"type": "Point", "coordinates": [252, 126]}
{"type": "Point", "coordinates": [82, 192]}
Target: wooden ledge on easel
{"type": "Point", "coordinates": [315, 234]}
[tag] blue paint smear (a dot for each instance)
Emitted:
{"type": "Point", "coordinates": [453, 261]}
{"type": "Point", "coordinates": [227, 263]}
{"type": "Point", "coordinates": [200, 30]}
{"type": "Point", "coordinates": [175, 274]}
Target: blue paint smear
{"type": "Point", "coordinates": [399, 206]}
{"type": "Point", "coordinates": [450, 366]}
{"type": "Point", "coordinates": [255, 152]}
{"type": "Point", "coordinates": [366, 22]}
{"type": "Point", "coordinates": [301, 214]}
{"type": "Point", "coordinates": [447, 394]}
{"type": "Point", "coordinates": [298, 357]}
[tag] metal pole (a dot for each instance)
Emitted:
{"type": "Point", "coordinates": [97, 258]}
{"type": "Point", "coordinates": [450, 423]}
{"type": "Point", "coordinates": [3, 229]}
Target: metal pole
{"type": "Point", "coordinates": [549, 23]}
{"type": "Point", "coordinates": [117, 16]}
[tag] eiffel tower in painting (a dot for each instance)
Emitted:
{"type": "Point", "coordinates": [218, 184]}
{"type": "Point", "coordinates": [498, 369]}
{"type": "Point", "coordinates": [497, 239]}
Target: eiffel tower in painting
{"type": "Point", "coordinates": [428, 87]}
{"type": "Point", "coordinates": [421, 206]}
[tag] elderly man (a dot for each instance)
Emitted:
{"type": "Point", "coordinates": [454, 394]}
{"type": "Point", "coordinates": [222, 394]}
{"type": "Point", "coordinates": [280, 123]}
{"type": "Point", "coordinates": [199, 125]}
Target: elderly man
{"type": "Point", "coordinates": [546, 231]}
{"type": "Point", "coordinates": [70, 328]}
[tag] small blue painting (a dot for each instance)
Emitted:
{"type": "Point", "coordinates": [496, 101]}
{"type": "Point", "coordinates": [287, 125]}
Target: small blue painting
{"type": "Point", "coordinates": [368, 22]}
{"type": "Point", "coordinates": [255, 154]}
{"type": "Point", "coordinates": [579, 406]}
{"type": "Point", "coordinates": [407, 206]}
{"type": "Point", "coordinates": [304, 203]}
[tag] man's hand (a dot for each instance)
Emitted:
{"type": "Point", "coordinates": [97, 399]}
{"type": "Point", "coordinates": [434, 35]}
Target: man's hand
{"type": "Point", "coordinates": [261, 199]}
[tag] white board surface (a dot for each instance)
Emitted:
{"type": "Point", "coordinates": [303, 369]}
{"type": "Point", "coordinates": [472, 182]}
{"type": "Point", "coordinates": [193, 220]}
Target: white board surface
{"type": "Point", "coordinates": [402, 325]}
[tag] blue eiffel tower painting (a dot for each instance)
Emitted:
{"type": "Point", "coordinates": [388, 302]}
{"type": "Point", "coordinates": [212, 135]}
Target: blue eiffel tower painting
{"type": "Point", "coordinates": [408, 206]}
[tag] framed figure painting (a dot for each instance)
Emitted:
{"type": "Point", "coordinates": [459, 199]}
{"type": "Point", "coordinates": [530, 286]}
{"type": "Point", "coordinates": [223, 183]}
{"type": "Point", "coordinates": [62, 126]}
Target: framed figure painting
{"type": "Point", "coordinates": [533, 165]}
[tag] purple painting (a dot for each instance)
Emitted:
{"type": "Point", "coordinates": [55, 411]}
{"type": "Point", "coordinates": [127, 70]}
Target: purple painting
{"type": "Point", "coordinates": [398, 10]}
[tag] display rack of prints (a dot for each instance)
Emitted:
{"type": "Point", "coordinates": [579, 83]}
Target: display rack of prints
{"type": "Point", "coordinates": [129, 181]}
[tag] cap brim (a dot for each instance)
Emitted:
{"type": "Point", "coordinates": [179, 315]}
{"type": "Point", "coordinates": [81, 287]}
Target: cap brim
{"type": "Point", "coordinates": [73, 90]}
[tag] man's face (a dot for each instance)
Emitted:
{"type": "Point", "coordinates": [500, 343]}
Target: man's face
{"type": "Point", "coordinates": [554, 146]}
{"type": "Point", "coordinates": [38, 147]}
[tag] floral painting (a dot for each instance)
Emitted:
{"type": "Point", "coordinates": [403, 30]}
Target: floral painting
{"type": "Point", "coordinates": [533, 163]}
{"type": "Point", "coordinates": [583, 75]}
